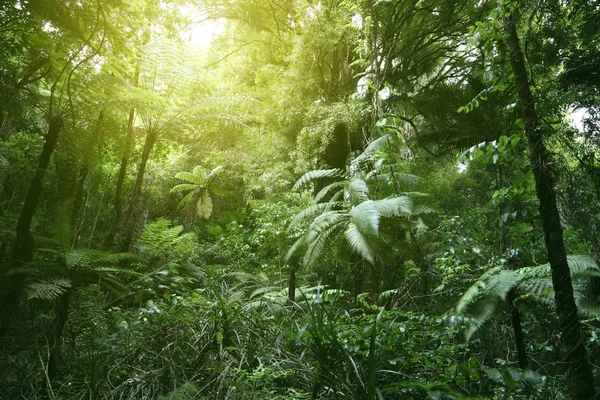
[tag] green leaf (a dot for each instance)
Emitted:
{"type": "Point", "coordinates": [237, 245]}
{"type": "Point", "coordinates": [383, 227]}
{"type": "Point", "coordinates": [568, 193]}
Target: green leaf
{"type": "Point", "coordinates": [359, 243]}
{"type": "Point", "coordinates": [366, 218]}
{"type": "Point", "coordinates": [190, 177]}
{"type": "Point", "coordinates": [395, 206]}
{"type": "Point", "coordinates": [183, 187]}
{"type": "Point", "coordinates": [317, 174]}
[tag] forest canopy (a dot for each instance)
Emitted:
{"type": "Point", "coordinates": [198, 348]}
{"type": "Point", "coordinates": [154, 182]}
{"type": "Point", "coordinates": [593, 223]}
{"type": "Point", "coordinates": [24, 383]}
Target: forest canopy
{"type": "Point", "coordinates": [299, 199]}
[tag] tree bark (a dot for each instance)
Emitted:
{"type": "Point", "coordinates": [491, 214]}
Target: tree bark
{"type": "Point", "coordinates": [118, 203]}
{"type": "Point", "coordinates": [23, 247]}
{"type": "Point", "coordinates": [135, 205]}
{"type": "Point", "coordinates": [518, 330]}
{"type": "Point", "coordinates": [85, 169]}
{"type": "Point", "coordinates": [580, 380]}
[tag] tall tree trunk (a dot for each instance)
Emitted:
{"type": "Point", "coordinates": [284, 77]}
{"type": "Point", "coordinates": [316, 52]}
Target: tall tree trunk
{"type": "Point", "coordinates": [580, 381]}
{"type": "Point", "coordinates": [23, 247]}
{"type": "Point", "coordinates": [518, 330]}
{"type": "Point", "coordinates": [83, 173]}
{"type": "Point", "coordinates": [118, 203]}
{"type": "Point", "coordinates": [135, 206]}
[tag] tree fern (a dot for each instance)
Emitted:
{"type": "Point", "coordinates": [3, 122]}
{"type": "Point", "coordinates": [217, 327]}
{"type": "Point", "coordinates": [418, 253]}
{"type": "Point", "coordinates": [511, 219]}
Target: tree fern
{"type": "Point", "coordinates": [200, 185]}
{"type": "Point", "coordinates": [494, 286]}
{"type": "Point", "coordinates": [349, 210]}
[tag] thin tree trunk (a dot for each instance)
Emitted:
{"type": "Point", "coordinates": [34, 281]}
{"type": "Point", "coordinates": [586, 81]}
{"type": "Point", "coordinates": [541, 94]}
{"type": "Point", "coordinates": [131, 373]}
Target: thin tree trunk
{"type": "Point", "coordinates": [518, 330]}
{"type": "Point", "coordinates": [23, 247]}
{"type": "Point", "coordinates": [85, 169]}
{"type": "Point", "coordinates": [580, 380]}
{"type": "Point", "coordinates": [135, 206]}
{"type": "Point", "coordinates": [118, 203]}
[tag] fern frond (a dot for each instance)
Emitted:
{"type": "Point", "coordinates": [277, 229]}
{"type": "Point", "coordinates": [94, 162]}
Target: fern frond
{"type": "Point", "coordinates": [183, 187]}
{"type": "Point", "coordinates": [359, 243]}
{"type": "Point", "coordinates": [297, 244]}
{"type": "Point", "coordinates": [371, 149]}
{"type": "Point", "coordinates": [358, 191]}
{"type": "Point", "coordinates": [396, 206]}
{"type": "Point", "coordinates": [50, 289]}
{"type": "Point", "coordinates": [323, 192]}
{"type": "Point", "coordinates": [319, 238]}
{"type": "Point", "coordinates": [187, 198]}
{"type": "Point", "coordinates": [366, 218]}
{"type": "Point", "coordinates": [190, 177]}
{"type": "Point", "coordinates": [199, 172]}
{"type": "Point", "coordinates": [583, 266]}
{"type": "Point", "coordinates": [317, 174]}
{"type": "Point", "coordinates": [214, 172]}
{"type": "Point", "coordinates": [204, 205]}
{"type": "Point", "coordinates": [310, 212]}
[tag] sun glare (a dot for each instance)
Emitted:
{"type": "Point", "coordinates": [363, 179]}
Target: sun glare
{"type": "Point", "coordinates": [202, 30]}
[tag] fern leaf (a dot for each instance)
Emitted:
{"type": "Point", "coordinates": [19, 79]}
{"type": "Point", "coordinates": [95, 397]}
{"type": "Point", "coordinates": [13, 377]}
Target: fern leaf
{"type": "Point", "coordinates": [50, 289]}
{"type": "Point", "coordinates": [311, 211]}
{"type": "Point", "coordinates": [366, 218]}
{"type": "Point", "coordinates": [396, 206]}
{"type": "Point", "coordinates": [317, 174]}
{"type": "Point", "coordinates": [359, 243]}
{"type": "Point", "coordinates": [583, 266]}
{"type": "Point", "coordinates": [183, 187]}
{"type": "Point", "coordinates": [371, 149]}
{"type": "Point", "coordinates": [323, 192]}
{"type": "Point", "coordinates": [199, 172]}
{"type": "Point", "coordinates": [190, 177]}
{"type": "Point", "coordinates": [204, 205]}
{"type": "Point", "coordinates": [214, 172]}
{"type": "Point", "coordinates": [358, 190]}
{"type": "Point", "coordinates": [297, 244]}
{"type": "Point", "coordinates": [318, 243]}
{"type": "Point", "coordinates": [185, 200]}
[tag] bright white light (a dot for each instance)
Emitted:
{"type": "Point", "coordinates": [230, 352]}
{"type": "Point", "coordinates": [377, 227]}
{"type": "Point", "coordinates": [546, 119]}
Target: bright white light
{"type": "Point", "coordinates": [202, 30]}
{"type": "Point", "coordinates": [576, 118]}
{"type": "Point", "coordinates": [203, 33]}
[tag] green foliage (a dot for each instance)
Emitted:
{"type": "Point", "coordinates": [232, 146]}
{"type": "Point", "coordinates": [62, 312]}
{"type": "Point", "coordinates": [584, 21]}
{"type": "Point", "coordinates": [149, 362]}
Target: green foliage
{"type": "Point", "coordinates": [200, 188]}
{"type": "Point", "coordinates": [480, 301]}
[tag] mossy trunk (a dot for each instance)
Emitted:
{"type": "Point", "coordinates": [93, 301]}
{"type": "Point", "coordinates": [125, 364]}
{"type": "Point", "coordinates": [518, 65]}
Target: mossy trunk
{"type": "Point", "coordinates": [580, 380]}
{"type": "Point", "coordinates": [23, 247]}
